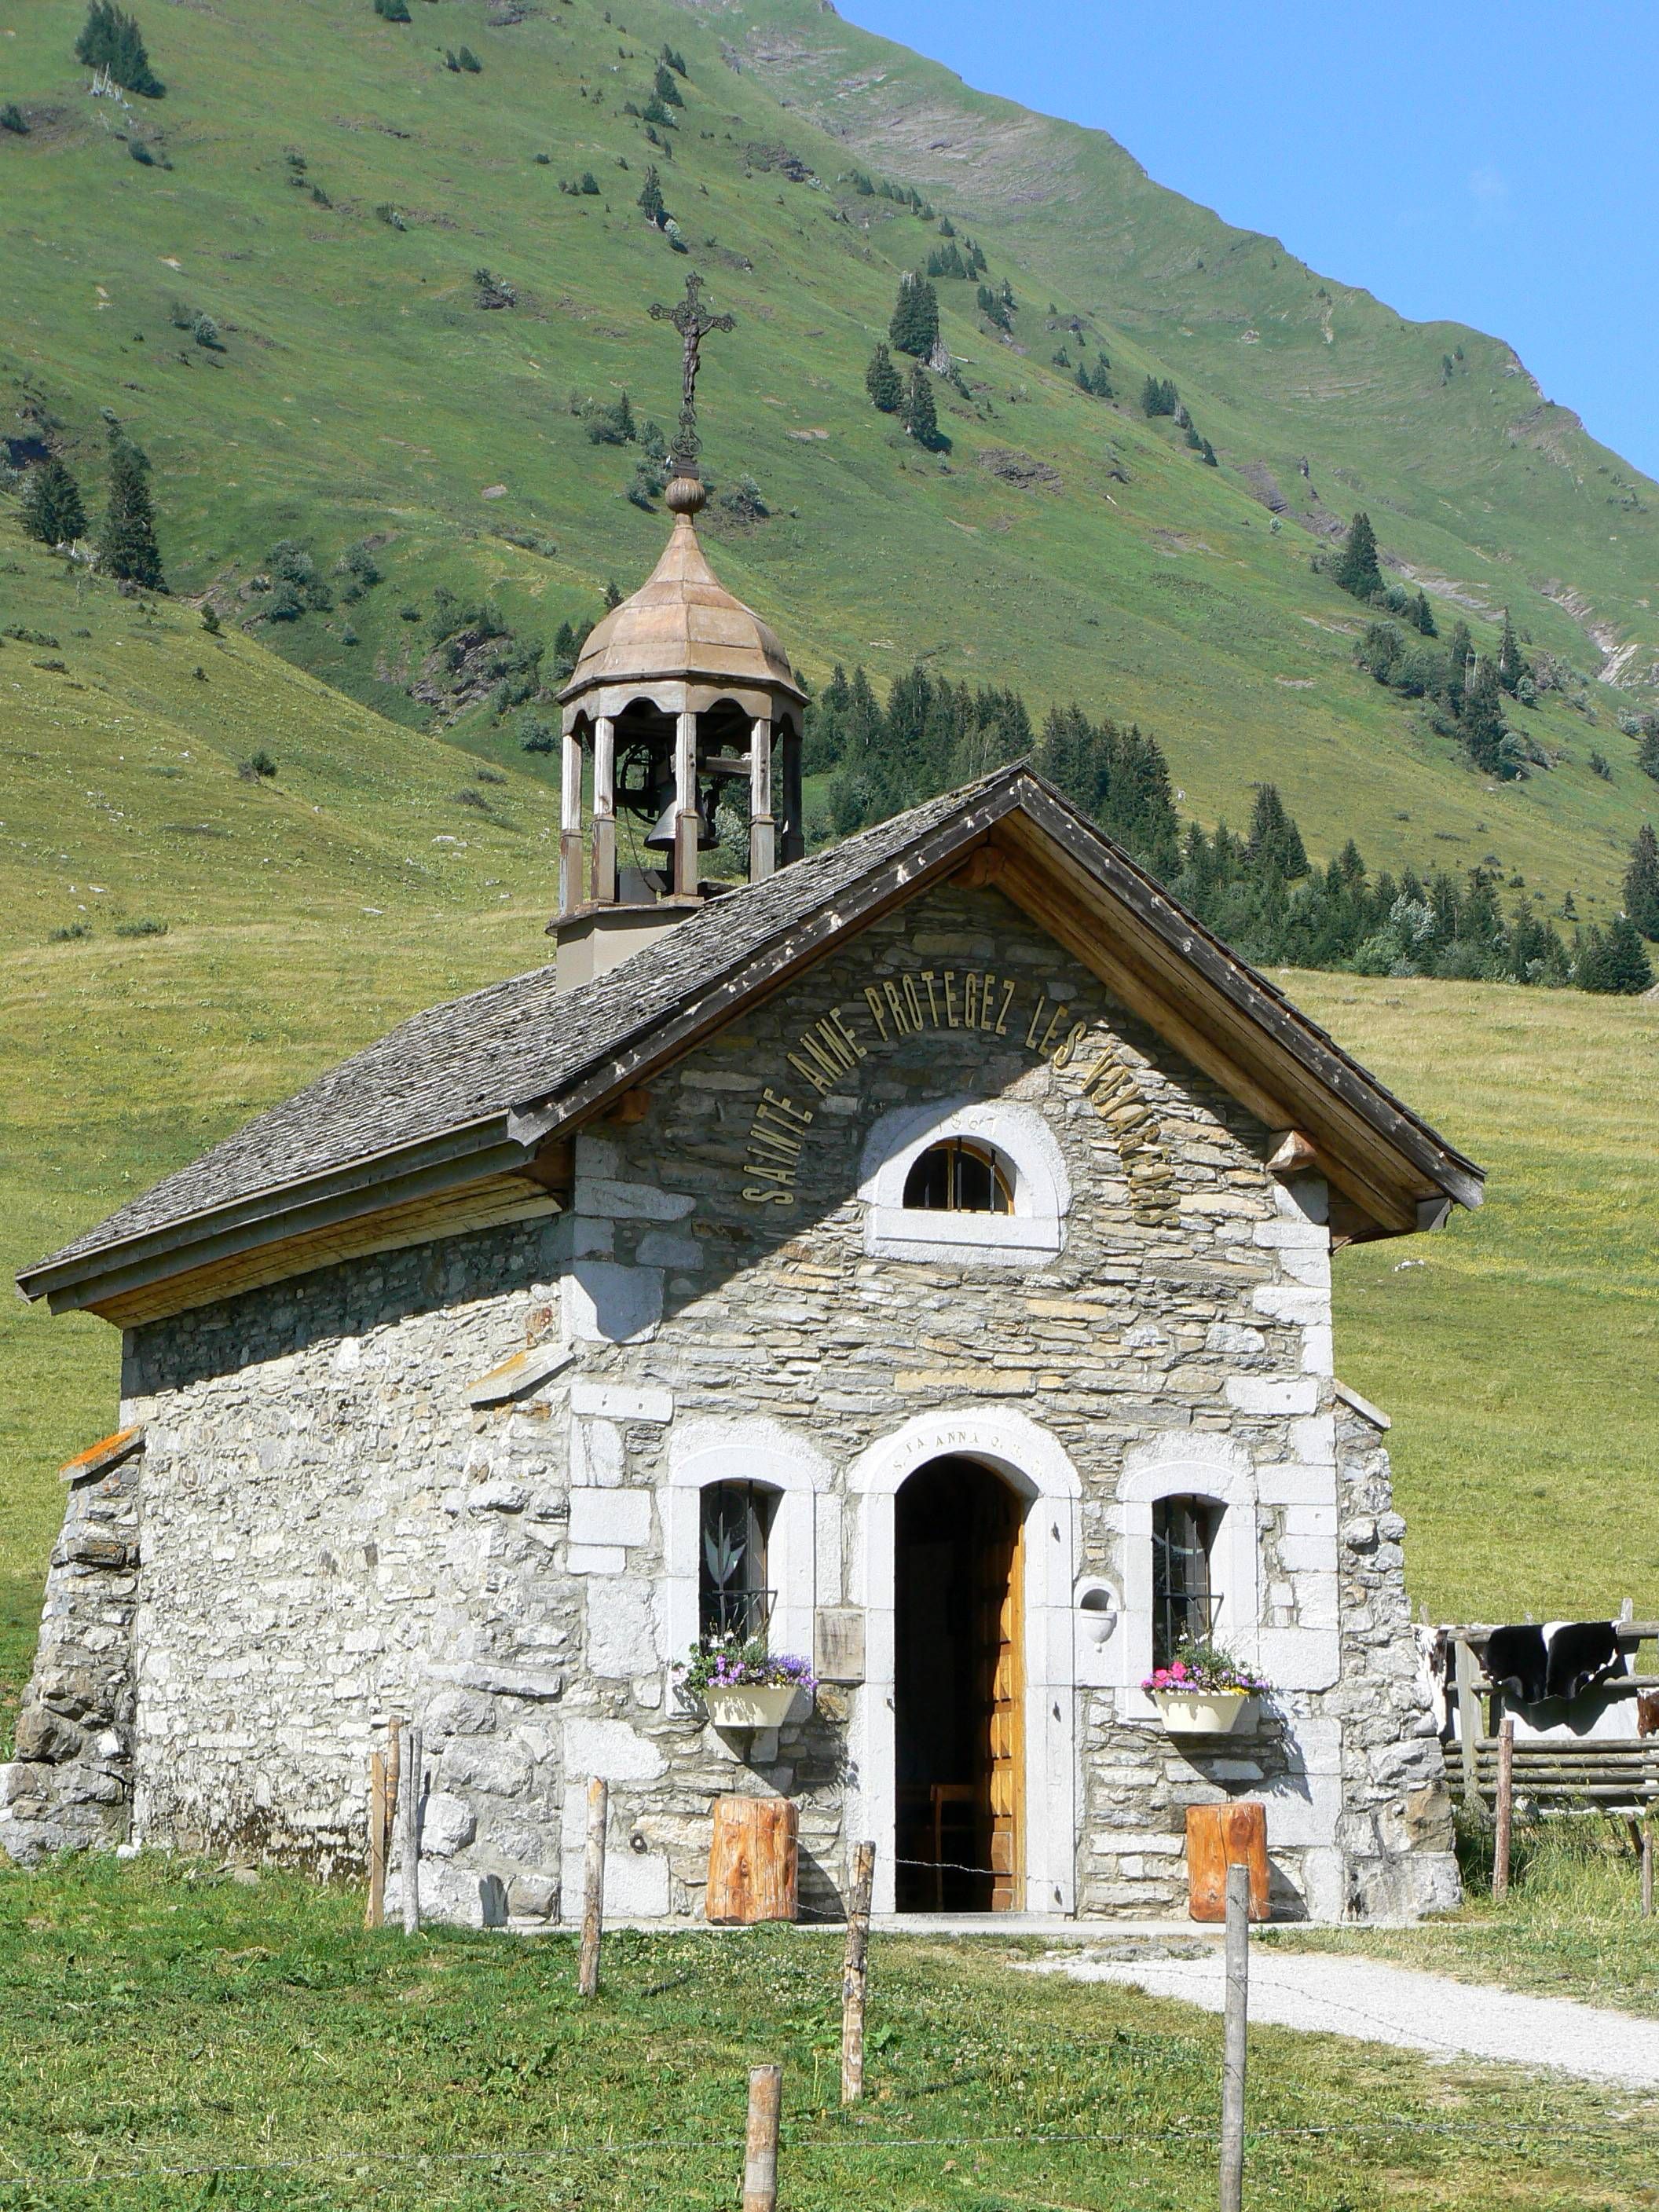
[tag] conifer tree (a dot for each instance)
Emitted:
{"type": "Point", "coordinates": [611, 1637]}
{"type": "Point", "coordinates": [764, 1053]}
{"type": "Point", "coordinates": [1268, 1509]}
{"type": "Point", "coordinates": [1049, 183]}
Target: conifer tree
{"type": "Point", "coordinates": [1628, 968]}
{"type": "Point", "coordinates": [111, 40]}
{"type": "Point", "coordinates": [882, 381]}
{"type": "Point", "coordinates": [1356, 569]}
{"type": "Point", "coordinates": [651, 202]}
{"type": "Point", "coordinates": [1422, 616]}
{"type": "Point", "coordinates": [914, 326]}
{"type": "Point", "coordinates": [666, 88]}
{"type": "Point", "coordinates": [1642, 883]}
{"type": "Point", "coordinates": [53, 508]}
{"type": "Point", "coordinates": [1511, 664]}
{"type": "Point", "coordinates": [920, 419]}
{"type": "Point", "coordinates": [1483, 719]}
{"type": "Point", "coordinates": [1647, 751]}
{"type": "Point", "coordinates": [126, 543]}
{"type": "Point", "coordinates": [1275, 841]}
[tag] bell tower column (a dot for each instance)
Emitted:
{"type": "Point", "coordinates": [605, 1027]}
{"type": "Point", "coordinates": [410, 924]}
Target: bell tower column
{"type": "Point", "coordinates": [760, 800]}
{"type": "Point", "coordinates": [570, 821]}
{"type": "Point", "coordinates": [795, 828]}
{"type": "Point", "coordinates": [685, 804]}
{"type": "Point", "coordinates": [604, 812]}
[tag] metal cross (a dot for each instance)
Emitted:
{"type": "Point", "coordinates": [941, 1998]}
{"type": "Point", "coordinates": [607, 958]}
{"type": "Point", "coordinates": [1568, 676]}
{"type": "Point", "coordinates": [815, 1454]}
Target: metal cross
{"type": "Point", "coordinates": [693, 325]}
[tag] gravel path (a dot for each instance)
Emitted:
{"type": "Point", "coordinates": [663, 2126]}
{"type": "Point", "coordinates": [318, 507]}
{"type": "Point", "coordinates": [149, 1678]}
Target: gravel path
{"type": "Point", "coordinates": [1375, 2002]}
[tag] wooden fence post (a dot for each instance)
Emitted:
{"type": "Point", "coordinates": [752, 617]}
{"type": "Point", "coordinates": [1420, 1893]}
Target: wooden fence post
{"type": "Point", "coordinates": [599, 1801]}
{"type": "Point", "coordinates": [760, 2161]}
{"type": "Point", "coordinates": [1505, 1808]}
{"type": "Point", "coordinates": [1647, 1868]}
{"type": "Point", "coordinates": [1232, 2047]}
{"type": "Point", "coordinates": [854, 1974]}
{"type": "Point", "coordinates": [374, 1910]}
{"type": "Point", "coordinates": [412, 1836]}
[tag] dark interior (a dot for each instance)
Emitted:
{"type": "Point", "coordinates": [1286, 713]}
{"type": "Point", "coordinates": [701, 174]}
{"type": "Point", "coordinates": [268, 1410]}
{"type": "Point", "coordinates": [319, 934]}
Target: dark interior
{"type": "Point", "coordinates": [953, 1533]}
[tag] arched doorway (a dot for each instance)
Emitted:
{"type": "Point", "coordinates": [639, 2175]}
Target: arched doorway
{"type": "Point", "coordinates": [959, 1689]}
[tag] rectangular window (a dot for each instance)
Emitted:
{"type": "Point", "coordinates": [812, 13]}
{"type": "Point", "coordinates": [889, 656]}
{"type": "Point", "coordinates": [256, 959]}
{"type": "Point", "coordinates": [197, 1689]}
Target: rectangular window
{"type": "Point", "coordinates": [1184, 1601]}
{"type": "Point", "coordinates": [732, 1595]}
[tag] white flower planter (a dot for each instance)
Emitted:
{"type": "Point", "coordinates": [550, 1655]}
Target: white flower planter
{"type": "Point", "coordinates": [750, 1706]}
{"type": "Point", "coordinates": [1204, 1712]}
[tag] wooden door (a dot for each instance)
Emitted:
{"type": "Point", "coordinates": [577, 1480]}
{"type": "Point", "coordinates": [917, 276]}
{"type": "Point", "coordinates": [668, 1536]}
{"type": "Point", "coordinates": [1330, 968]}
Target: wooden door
{"type": "Point", "coordinates": [1002, 1642]}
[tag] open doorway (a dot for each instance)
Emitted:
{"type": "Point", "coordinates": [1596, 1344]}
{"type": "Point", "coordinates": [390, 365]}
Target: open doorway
{"type": "Point", "coordinates": [959, 1690]}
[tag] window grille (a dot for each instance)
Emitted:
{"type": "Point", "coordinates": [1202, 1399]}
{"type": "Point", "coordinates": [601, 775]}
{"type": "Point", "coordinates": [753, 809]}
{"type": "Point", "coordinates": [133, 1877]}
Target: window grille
{"type": "Point", "coordinates": [958, 1176]}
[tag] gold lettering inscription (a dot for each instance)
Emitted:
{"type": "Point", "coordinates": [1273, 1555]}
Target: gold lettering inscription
{"type": "Point", "coordinates": [913, 1001]}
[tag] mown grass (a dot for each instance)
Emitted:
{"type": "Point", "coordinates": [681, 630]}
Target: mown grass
{"type": "Point", "coordinates": [173, 2038]}
{"type": "Point", "coordinates": [1570, 1926]}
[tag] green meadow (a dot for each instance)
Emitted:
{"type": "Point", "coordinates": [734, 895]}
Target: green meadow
{"type": "Point", "coordinates": [173, 2038]}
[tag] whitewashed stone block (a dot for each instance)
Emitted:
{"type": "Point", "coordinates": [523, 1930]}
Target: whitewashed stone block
{"type": "Point", "coordinates": [599, 1197]}
{"type": "Point", "coordinates": [606, 1302]}
{"type": "Point", "coordinates": [1318, 1351]}
{"type": "Point", "coordinates": [1261, 1394]}
{"type": "Point", "coordinates": [1289, 1482]}
{"type": "Point", "coordinates": [596, 1559]}
{"type": "Point", "coordinates": [657, 1248]}
{"type": "Point", "coordinates": [1289, 1302]}
{"type": "Point", "coordinates": [621, 1628]}
{"type": "Point", "coordinates": [1300, 1658]}
{"type": "Point", "coordinates": [1314, 1442]}
{"type": "Point", "coordinates": [609, 1516]}
{"type": "Point", "coordinates": [597, 1459]}
{"type": "Point", "coordinates": [612, 1401]}
{"type": "Point", "coordinates": [609, 1749]}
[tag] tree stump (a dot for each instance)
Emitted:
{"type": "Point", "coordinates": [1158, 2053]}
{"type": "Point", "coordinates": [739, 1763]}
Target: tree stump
{"type": "Point", "coordinates": [752, 1862]}
{"type": "Point", "coordinates": [1217, 1837]}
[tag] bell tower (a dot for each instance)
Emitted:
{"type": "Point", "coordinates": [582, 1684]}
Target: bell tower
{"type": "Point", "coordinates": [682, 713]}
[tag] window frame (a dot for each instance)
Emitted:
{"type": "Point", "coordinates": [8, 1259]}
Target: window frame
{"type": "Point", "coordinates": [1018, 1136]}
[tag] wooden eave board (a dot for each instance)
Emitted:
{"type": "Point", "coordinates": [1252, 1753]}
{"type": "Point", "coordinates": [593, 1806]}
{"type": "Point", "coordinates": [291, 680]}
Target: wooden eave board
{"type": "Point", "coordinates": [487, 1205]}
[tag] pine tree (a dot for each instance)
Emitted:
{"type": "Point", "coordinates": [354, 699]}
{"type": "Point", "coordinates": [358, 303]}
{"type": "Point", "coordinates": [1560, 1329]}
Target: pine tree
{"type": "Point", "coordinates": [882, 381]}
{"type": "Point", "coordinates": [126, 543]}
{"type": "Point", "coordinates": [1274, 843]}
{"type": "Point", "coordinates": [612, 595]}
{"type": "Point", "coordinates": [914, 326]}
{"type": "Point", "coordinates": [1642, 883]}
{"type": "Point", "coordinates": [1512, 665]}
{"type": "Point", "coordinates": [1355, 570]}
{"type": "Point", "coordinates": [53, 508]}
{"type": "Point", "coordinates": [920, 418]}
{"type": "Point", "coordinates": [651, 201]}
{"type": "Point", "coordinates": [666, 88]}
{"type": "Point", "coordinates": [1628, 969]}
{"type": "Point", "coordinates": [1422, 616]}
{"type": "Point", "coordinates": [111, 40]}
{"type": "Point", "coordinates": [1483, 720]}
{"type": "Point", "coordinates": [1647, 751]}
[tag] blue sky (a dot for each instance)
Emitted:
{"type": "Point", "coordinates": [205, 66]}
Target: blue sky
{"type": "Point", "coordinates": [1493, 161]}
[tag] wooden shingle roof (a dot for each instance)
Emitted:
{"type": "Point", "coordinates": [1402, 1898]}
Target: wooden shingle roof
{"type": "Point", "coordinates": [474, 1088]}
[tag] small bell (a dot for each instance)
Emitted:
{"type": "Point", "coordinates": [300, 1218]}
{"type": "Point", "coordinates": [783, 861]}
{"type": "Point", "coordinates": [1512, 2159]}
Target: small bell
{"type": "Point", "coordinates": [661, 839]}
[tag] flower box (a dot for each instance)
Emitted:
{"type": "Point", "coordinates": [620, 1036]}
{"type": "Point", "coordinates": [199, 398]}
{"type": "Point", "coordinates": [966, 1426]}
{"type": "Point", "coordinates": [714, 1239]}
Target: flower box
{"type": "Point", "coordinates": [743, 1685]}
{"type": "Point", "coordinates": [750, 1704]}
{"type": "Point", "coordinates": [1204, 1712]}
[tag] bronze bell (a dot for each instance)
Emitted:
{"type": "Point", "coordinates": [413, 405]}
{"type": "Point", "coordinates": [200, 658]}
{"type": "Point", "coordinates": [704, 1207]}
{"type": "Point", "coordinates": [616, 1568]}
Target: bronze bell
{"type": "Point", "coordinates": [661, 839]}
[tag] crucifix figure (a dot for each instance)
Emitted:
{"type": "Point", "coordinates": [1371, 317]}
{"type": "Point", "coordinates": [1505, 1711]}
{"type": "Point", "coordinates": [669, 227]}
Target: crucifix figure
{"type": "Point", "coordinates": [693, 325]}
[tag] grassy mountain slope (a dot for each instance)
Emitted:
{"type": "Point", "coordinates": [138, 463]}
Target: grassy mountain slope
{"type": "Point", "coordinates": [361, 391]}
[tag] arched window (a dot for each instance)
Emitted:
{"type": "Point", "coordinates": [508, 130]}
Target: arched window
{"type": "Point", "coordinates": [958, 1176]}
{"type": "Point", "coordinates": [734, 1597]}
{"type": "Point", "coordinates": [1185, 1601]}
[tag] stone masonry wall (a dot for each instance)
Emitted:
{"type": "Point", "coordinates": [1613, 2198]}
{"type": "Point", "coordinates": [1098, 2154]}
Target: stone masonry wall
{"type": "Point", "coordinates": [331, 1533]}
{"type": "Point", "coordinates": [69, 1784]}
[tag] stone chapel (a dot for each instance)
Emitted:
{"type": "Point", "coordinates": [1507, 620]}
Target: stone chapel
{"type": "Point", "coordinates": [917, 1255]}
